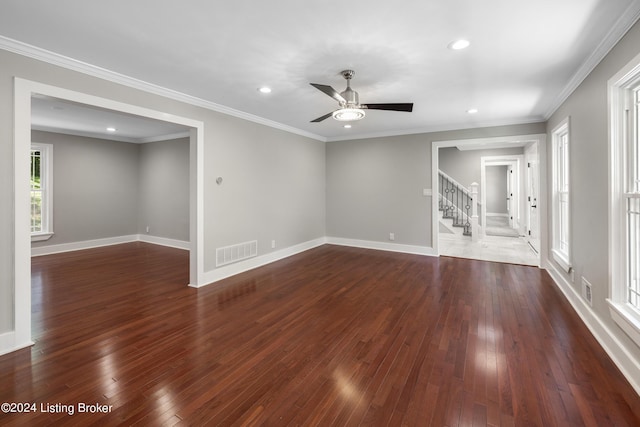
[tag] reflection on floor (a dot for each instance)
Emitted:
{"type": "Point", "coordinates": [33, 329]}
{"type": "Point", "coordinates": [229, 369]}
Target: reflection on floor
{"type": "Point", "coordinates": [513, 250]}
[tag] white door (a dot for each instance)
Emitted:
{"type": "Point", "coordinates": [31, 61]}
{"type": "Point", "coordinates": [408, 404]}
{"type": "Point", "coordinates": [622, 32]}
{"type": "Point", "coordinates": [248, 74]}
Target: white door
{"type": "Point", "coordinates": [533, 195]}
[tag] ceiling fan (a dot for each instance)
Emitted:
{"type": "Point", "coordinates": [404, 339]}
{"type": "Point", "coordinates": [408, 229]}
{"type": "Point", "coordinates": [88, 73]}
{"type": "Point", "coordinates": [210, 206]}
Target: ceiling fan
{"type": "Point", "coordinates": [350, 107]}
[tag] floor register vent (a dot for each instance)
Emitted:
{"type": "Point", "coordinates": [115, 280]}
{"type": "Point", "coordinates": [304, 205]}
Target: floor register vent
{"type": "Point", "coordinates": [235, 253]}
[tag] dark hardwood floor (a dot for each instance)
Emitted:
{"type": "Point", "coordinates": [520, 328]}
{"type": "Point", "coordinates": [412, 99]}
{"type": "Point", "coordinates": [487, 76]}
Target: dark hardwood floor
{"type": "Point", "coordinates": [333, 336]}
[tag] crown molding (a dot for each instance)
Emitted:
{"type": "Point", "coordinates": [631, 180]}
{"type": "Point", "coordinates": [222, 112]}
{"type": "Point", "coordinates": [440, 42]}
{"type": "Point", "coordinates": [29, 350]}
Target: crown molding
{"type": "Point", "coordinates": [618, 30]}
{"type": "Point", "coordinates": [52, 58]}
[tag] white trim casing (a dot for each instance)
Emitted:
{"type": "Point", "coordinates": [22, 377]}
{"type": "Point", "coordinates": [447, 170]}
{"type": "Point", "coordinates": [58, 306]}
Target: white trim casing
{"type": "Point", "coordinates": [382, 246]}
{"type": "Point", "coordinates": [109, 241]}
{"type": "Point", "coordinates": [502, 141]}
{"type": "Point", "coordinates": [46, 176]}
{"type": "Point", "coordinates": [558, 172]}
{"type": "Point", "coordinates": [252, 263]}
{"type": "Point", "coordinates": [618, 86]}
{"type": "Point", "coordinates": [621, 357]}
{"type": "Point", "coordinates": [516, 161]}
{"type": "Point", "coordinates": [49, 57]}
{"type": "Point", "coordinates": [23, 91]}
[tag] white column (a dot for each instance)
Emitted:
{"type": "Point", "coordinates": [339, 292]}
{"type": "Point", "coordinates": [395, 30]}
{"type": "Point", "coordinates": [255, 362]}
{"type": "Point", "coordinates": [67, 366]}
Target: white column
{"type": "Point", "coordinates": [475, 229]}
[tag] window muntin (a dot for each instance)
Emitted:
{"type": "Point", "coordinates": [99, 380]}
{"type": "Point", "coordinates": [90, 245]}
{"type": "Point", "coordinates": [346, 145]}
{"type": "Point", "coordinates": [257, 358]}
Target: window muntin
{"type": "Point", "coordinates": [561, 188]}
{"type": "Point", "coordinates": [632, 199]}
{"type": "Point", "coordinates": [624, 199]}
{"type": "Point", "coordinates": [41, 185]}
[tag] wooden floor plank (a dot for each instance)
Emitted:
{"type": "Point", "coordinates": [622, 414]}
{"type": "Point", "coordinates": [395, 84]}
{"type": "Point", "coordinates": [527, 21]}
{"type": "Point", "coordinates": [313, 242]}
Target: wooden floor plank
{"type": "Point", "coordinates": [332, 336]}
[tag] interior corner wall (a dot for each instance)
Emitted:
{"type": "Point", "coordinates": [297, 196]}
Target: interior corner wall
{"type": "Point", "coordinates": [588, 168]}
{"type": "Point", "coordinates": [163, 189]}
{"type": "Point", "coordinates": [95, 191]}
{"type": "Point", "coordinates": [496, 197]}
{"type": "Point", "coordinates": [273, 181]}
{"type": "Point", "coordinates": [465, 165]}
{"type": "Point", "coordinates": [375, 185]}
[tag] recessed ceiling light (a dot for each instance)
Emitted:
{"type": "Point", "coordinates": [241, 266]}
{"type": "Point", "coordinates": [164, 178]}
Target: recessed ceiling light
{"type": "Point", "coordinates": [111, 129]}
{"type": "Point", "coordinates": [264, 89]}
{"type": "Point", "coordinates": [472, 110]}
{"type": "Point", "coordinates": [459, 44]}
{"type": "Point", "coordinates": [347, 126]}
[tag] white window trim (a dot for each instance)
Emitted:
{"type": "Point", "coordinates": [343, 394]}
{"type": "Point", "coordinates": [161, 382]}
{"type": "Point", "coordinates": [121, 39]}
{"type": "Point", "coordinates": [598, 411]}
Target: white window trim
{"type": "Point", "coordinates": [47, 161]}
{"type": "Point", "coordinates": [624, 314]}
{"type": "Point", "coordinates": [563, 258]}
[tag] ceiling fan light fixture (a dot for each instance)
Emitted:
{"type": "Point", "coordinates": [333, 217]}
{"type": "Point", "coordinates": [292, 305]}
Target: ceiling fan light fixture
{"type": "Point", "coordinates": [348, 114]}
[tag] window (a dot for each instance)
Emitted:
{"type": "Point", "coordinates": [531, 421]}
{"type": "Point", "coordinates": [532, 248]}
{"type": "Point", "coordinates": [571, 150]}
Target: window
{"type": "Point", "coordinates": [560, 202]}
{"type": "Point", "coordinates": [41, 189]}
{"type": "Point", "coordinates": [624, 199]}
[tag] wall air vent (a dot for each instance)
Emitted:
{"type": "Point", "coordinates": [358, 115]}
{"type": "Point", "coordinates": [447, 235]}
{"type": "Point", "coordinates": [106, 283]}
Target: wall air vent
{"type": "Point", "coordinates": [235, 253]}
{"type": "Point", "coordinates": [586, 291]}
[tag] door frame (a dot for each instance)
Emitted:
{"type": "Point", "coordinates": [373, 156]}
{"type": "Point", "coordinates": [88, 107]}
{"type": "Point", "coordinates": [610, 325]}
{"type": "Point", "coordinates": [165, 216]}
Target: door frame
{"type": "Point", "coordinates": [489, 143]}
{"type": "Point", "coordinates": [532, 177]}
{"type": "Point", "coordinates": [514, 161]}
{"type": "Point", "coordinates": [23, 91]}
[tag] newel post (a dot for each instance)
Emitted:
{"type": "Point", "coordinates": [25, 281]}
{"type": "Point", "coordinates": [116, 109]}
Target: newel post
{"type": "Point", "coordinates": [475, 229]}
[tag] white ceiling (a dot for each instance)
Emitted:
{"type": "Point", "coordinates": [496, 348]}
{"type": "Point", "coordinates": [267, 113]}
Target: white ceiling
{"type": "Point", "coordinates": [525, 56]}
{"type": "Point", "coordinates": [56, 115]}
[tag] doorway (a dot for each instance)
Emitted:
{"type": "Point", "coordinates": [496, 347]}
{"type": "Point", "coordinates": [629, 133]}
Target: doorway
{"type": "Point", "coordinates": [24, 91]}
{"type": "Point", "coordinates": [532, 230]}
{"type": "Point", "coordinates": [510, 190]}
{"type": "Point", "coordinates": [479, 247]}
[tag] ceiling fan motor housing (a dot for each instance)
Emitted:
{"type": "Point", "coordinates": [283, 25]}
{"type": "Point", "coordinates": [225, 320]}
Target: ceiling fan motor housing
{"type": "Point", "coordinates": [350, 95]}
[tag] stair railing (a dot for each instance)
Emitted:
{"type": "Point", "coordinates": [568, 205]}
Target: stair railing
{"type": "Point", "coordinates": [456, 203]}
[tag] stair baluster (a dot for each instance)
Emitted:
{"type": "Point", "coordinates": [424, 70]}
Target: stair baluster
{"type": "Point", "coordinates": [455, 203]}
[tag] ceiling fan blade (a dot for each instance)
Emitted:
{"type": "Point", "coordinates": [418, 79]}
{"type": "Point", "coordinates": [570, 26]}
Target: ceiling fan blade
{"type": "Point", "coordinates": [321, 118]}
{"type": "Point", "coordinates": [408, 107]}
{"type": "Point", "coordinates": [329, 91]}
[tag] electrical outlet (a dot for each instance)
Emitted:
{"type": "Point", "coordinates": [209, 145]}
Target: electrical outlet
{"type": "Point", "coordinates": [392, 236]}
{"type": "Point", "coordinates": [273, 244]}
{"type": "Point", "coordinates": [148, 229]}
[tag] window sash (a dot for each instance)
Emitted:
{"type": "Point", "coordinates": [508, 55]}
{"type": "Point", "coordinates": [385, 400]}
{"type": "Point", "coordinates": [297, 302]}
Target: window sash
{"type": "Point", "coordinates": [632, 231]}
{"type": "Point", "coordinates": [40, 186]}
{"type": "Point", "coordinates": [560, 208]}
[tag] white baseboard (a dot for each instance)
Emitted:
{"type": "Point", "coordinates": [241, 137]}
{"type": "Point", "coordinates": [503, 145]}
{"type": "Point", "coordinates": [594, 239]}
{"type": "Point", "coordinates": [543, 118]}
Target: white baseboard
{"type": "Point", "coordinates": [78, 246]}
{"type": "Point", "coordinates": [218, 274]}
{"type": "Point", "coordinates": [163, 241]}
{"type": "Point", "coordinates": [97, 243]}
{"type": "Point", "coordinates": [383, 246]}
{"type": "Point", "coordinates": [8, 343]}
{"type": "Point", "coordinates": [622, 358]}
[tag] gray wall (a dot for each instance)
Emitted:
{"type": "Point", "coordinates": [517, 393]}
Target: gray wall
{"type": "Point", "coordinates": [163, 189]}
{"type": "Point", "coordinates": [95, 191]}
{"type": "Point", "coordinates": [464, 165]}
{"type": "Point", "coordinates": [274, 181]}
{"type": "Point", "coordinates": [587, 107]}
{"type": "Point", "coordinates": [496, 197]}
{"type": "Point", "coordinates": [106, 188]}
{"type": "Point", "coordinates": [374, 186]}
{"type": "Point", "coordinates": [273, 188]}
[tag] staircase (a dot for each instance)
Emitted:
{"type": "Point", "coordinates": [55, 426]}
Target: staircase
{"type": "Point", "coordinates": [455, 202]}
